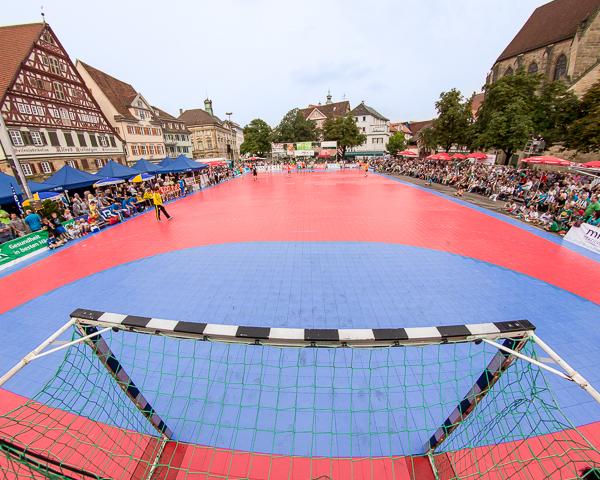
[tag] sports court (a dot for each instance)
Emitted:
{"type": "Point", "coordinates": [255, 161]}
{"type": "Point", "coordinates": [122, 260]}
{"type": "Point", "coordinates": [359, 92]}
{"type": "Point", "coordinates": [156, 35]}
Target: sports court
{"type": "Point", "coordinates": [324, 252]}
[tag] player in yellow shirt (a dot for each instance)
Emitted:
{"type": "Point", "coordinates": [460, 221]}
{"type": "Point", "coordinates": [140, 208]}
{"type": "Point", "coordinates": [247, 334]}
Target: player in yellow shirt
{"type": "Point", "coordinates": [158, 205]}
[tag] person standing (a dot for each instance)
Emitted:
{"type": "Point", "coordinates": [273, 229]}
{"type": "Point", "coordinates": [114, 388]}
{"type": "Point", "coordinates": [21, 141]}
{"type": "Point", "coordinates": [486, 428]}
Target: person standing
{"type": "Point", "coordinates": [158, 205]}
{"type": "Point", "coordinates": [33, 220]}
{"type": "Point", "coordinates": [254, 172]}
{"type": "Point", "coordinates": [18, 225]}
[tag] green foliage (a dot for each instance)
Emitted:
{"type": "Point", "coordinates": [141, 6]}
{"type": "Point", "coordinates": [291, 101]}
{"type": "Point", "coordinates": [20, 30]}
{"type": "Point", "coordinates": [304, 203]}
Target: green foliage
{"type": "Point", "coordinates": [344, 131]}
{"type": "Point", "coordinates": [257, 138]}
{"type": "Point", "coordinates": [555, 109]}
{"type": "Point", "coordinates": [49, 207]}
{"type": "Point", "coordinates": [427, 138]}
{"type": "Point", "coordinates": [506, 120]}
{"type": "Point", "coordinates": [396, 143]}
{"type": "Point", "coordinates": [584, 133]}
{"type": "Point", "coordinates": [453, 121]}
{"type": "Point", "coordinates": [295, 128]}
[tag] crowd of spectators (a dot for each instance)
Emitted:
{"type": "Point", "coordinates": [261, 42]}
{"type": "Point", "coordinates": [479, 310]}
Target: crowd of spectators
{"type": "Point", "coordinates": [553, 200]}
{"type": "Point", "coordinates": [91, 209]}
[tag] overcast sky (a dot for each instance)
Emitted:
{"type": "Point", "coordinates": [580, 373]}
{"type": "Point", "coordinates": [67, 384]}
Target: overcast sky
{"type": "Point", "coordinates": [260, 58]}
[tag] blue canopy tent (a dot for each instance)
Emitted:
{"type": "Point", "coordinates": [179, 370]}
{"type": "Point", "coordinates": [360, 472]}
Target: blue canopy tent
{"type": "Point", "coordinates": [115, 170]}
{"type": "Point", "coordinates": [166, 161]}
{"type": "Point", "coordinates": [38, 186]}
{"type": "Point", "coordinates": [68, 177]}
{"type": "Point", "coordinates": [144, 166]}
{"type": "Point", "coordinates": [6, 192]}
{"type": "Point", "coordinates": [182, 164]}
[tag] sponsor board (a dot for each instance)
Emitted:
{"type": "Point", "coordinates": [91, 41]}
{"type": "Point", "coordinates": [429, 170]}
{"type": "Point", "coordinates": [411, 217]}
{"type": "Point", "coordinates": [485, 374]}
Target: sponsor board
{"type": "Point", "coordinates": [586, 236]}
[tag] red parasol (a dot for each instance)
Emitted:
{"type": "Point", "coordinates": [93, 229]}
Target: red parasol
{"type": "Point", "coordinates": [478, 155]}
{"type": "Point", "coordinates": [407, 153]}
{"type": "Point", "coordinates": [547, 160]}
{"type": "Point", "coordinates": [459, 156]}
{"type": "Point", "coordinates": [595, 164]}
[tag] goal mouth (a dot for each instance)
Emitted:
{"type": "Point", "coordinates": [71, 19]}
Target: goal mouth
{"type": "Point", "coordinates": [143, 397]}
{"type": "Point", "coordinates": [300, 337]}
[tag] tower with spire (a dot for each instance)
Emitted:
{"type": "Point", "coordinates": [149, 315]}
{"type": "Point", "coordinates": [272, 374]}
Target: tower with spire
{"type": "Point", "coordinates": [328, 97]}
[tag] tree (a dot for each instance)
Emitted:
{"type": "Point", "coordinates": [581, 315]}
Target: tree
{"type": "Point", "coordinates": [556, 108]}
{"type": "Point", "coordinates": [584, 133]}
{"type": "Point", "coordinates": [506, 119]}
{"type": "Point", "coordinates": [396, 143]}
{"type": "Point", "coordinates": [453, 121]}
{"type": "Point", "coordinates": [344, 131]}
{"type": "Point", "coordinates": [257, 138]}
{"type": "Point", "coordinates": [295, 128]}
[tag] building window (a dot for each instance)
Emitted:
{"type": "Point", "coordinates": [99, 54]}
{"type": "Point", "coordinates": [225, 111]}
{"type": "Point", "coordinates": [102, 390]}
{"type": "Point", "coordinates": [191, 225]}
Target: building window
{"type": "Point", "coordinates": [82, 142]}
{"type": "Point", "coordinates": [53, 64]}
{"type": "Point", "coordinates": [100, 163]}
{"type": "Point", "coordinates": [46, 37]}
{"type": "Point", "coordinates": [58, 90]}
{"type": "Point", "coordinates": [72, 163]}
{"type": "Point", "coordinates": [509, 71]}
{"type": "Point", "coordinates": [16, 138]}
{"type": "Point", "coordinates": [37, 138]}
{"type": "Point", "coordinates": [533, 68]}
{"type": "Point", "coordinates": [46, 167]}
{"type": "Point", "coordinates": [142, 149]}
{"type": "Point", "coordinates": [27, 169]}
{"type": "Point", "coordinates": [130, 129]}
{"type": "Point", "coordinates": [134, 150]}
{"type": "Point", "coordinates": [93, 140]}
{"type": "Point", "coordinates": [69, 139]}
{"type": "Point", "coordinates": [103, 140]}
{"type": "Point", "coordinates": [112, 142]}
{"type": "Point", "coordinates": [150, 149]}
{"type": "Point", "coordinates": [53, 139]}
{"type": "Point", "coordinates": [142, 114]}
{"type": "Point", "coordinates": [560, 71]}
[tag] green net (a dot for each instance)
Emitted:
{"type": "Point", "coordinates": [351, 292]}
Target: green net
{"type": "Point", "coordinates": [191, 409]}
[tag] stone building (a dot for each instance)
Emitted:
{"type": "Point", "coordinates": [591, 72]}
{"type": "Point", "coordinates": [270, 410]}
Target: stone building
{"type": "Point", "coordinates": [176, 135]}
{"type": "Point", "coordinates": [130, 114]}
{"type": "Point", "coordinates": [51, 117]}
{"type": "Point", "coordinates": [561, 41]}
{"type": "Point", "coordinates": [211, 137]}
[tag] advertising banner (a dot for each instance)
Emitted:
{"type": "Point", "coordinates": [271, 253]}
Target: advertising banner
{"type": "Point", "coordinates": [586, 236]}
{"type": "Point", "coordinates": [19, 247]}
{"type": "Point", "coordinates": [304, 146]}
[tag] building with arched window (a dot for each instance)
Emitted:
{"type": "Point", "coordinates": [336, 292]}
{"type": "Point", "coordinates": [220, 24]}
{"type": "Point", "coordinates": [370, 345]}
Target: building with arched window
{"type": "Point", "coordinates": [561, 41]}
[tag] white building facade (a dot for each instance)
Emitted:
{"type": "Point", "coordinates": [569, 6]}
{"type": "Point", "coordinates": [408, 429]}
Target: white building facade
{"type": "Point", "coordinates": [375, 127]}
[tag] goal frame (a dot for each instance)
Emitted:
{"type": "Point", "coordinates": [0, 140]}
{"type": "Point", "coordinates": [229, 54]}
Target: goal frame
{"type": "Point", "coordinates": [512, 337]}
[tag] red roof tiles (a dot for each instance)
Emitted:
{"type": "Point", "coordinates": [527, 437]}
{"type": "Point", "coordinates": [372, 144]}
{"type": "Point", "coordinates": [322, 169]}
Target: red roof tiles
{"type": "Point", "coordinates": [550, 23]}
{"type": "Point", "coordinates": [16, 41]}
{"type": "Point", "coordinates": [120, 94]}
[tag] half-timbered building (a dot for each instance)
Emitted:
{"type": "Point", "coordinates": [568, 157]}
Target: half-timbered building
{"type": "Point", "coordinates": [130, 114]}
{"type": "Point", "coordinates": [51, 116]}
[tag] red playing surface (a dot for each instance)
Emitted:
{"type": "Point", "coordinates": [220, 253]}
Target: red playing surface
{"type": "Point", "coordinates": [303, 207]}
{"type": "Point", "coordinates": [307, 207]}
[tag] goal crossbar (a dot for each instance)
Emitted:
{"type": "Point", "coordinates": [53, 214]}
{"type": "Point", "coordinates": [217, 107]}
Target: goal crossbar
{"type": "Point", "coordinates": [306, 337]}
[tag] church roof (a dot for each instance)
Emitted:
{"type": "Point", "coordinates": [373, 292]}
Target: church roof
{"type": "Point", "coordinates": [551, 23]}
{"type": "Point", "coordinates": [119, 93]}
{"type": "Point", "coordinates": [16, 41]}
{"type": "Point", "coordinates": [362, 109]}
{"type": "Point", "coordinates": [330, 110]}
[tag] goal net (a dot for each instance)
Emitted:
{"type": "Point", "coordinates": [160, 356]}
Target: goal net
{"type": "Point", "coordinates": [142, 398]}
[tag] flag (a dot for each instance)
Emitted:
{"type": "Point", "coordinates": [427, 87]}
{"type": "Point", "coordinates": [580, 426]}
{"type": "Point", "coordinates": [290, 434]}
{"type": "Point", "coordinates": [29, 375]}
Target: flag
{"type": "Point", "coordinates": [17, 199]}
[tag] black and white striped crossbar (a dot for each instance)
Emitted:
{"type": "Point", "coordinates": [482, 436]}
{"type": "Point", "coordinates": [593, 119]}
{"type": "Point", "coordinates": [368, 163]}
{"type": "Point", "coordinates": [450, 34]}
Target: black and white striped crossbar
{"type": "Point", "coordinates": [306, 337]}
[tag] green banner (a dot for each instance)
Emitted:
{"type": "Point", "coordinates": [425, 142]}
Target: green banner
{"type": "Point", "coordinates": [304, 146]}
{"type": "Point", "coordinates": [19, 247]}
